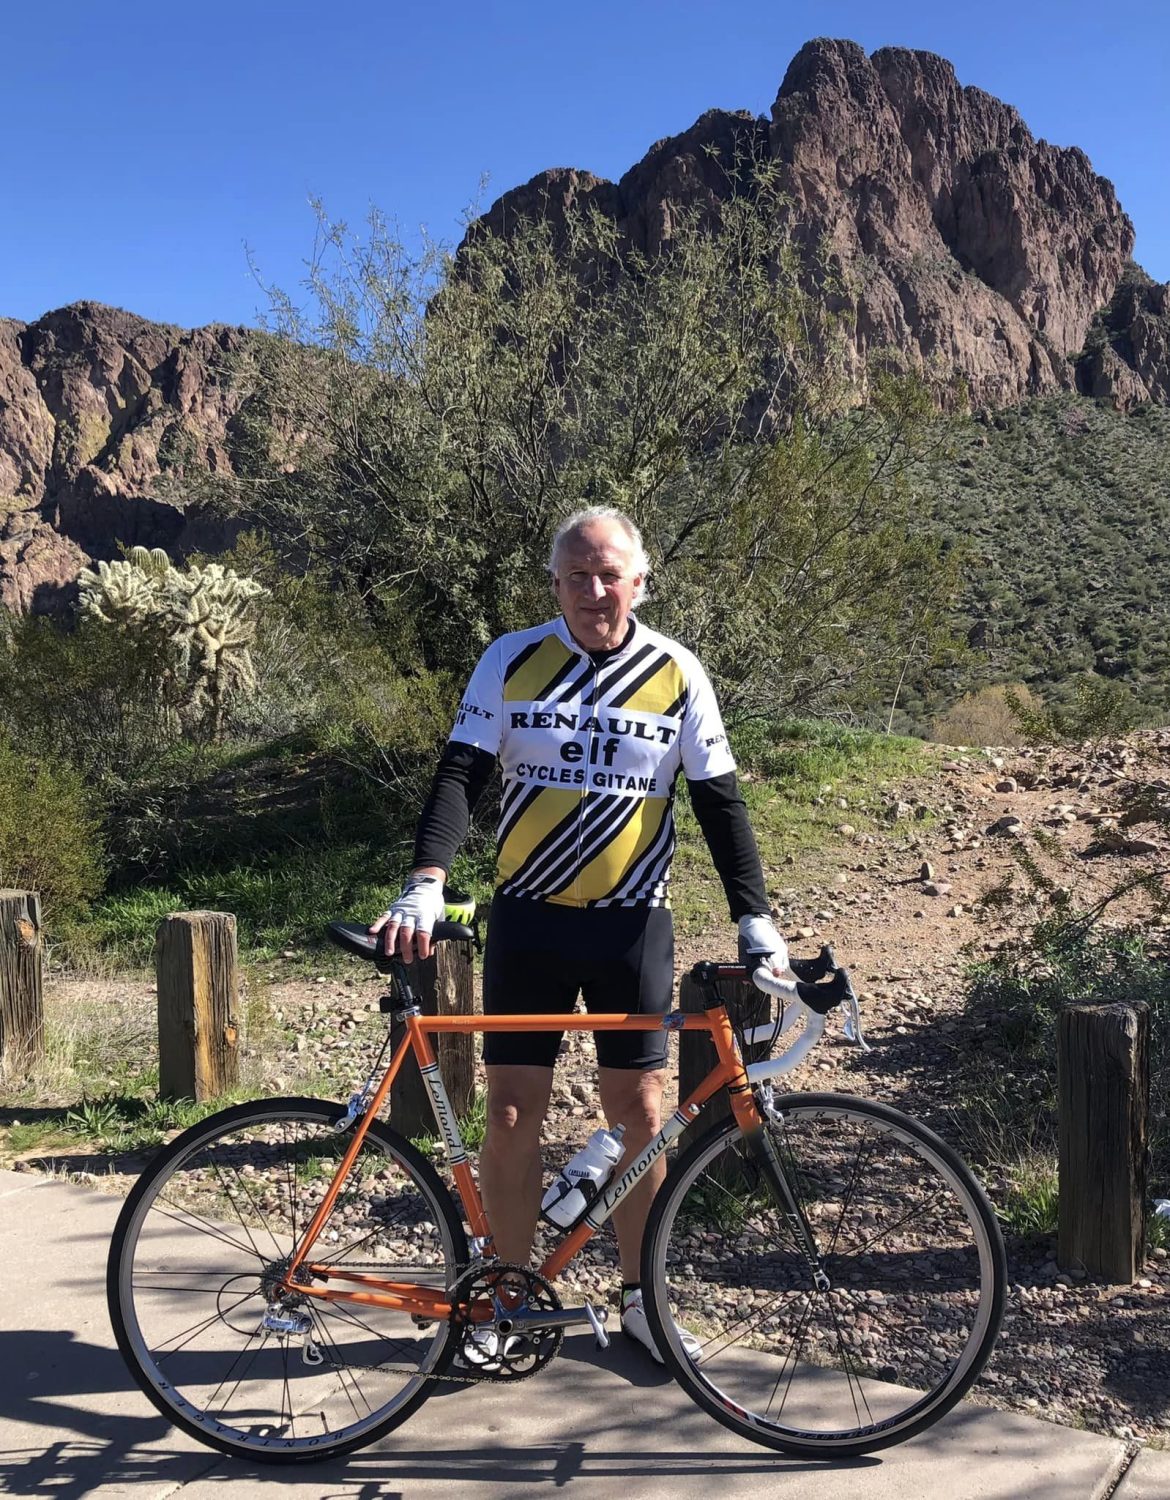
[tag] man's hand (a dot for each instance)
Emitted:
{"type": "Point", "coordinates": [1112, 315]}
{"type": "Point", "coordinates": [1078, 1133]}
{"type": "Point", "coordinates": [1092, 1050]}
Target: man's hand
{"type": "Point", "coordinates": [410, 921]}
{"type": "Point", "coordinates": [758, 937]}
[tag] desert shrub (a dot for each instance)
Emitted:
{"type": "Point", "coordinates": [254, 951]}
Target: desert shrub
{"type": "Point", "coordinates": [1019, 993]}
{"type": "Point", "coordinates": [985, 717]}
{"type": "Point", "coordinates": [108, 705]}
{"type": "Point", "coordinates": [1064, 505]}
{"type": "Point", "coordinates": [88, 697]}
{"type": "Point", "coordinates": [1099, 710]}
{"type": "Point", "coordinates": [49, 839]}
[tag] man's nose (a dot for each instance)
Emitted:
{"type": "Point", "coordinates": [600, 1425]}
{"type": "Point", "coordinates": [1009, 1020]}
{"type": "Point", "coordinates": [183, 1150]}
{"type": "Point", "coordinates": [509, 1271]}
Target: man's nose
{"type": "Point", "coordinates": [596, 587]}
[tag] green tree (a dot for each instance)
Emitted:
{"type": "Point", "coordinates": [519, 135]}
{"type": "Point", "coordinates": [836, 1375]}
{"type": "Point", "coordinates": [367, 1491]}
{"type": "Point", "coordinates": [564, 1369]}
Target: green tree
{"type": "Point", "coordinates": [426, 421]}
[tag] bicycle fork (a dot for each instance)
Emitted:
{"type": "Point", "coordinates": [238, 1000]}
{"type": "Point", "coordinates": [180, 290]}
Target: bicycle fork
{"type": "Point", "coordinates": [763, 1151]}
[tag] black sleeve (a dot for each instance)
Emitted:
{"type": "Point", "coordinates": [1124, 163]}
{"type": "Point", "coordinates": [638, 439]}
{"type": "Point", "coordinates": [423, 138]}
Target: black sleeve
{"type": "Point", "coordinates": [459, 782]}
{"type": "Point", "coordinates": [724, 821]}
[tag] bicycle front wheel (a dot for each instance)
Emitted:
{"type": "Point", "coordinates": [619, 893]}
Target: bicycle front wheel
{"type": "Point", "coordinates": [844, 1316]}
{"type": "Point", "coordinates": [200, 1247]}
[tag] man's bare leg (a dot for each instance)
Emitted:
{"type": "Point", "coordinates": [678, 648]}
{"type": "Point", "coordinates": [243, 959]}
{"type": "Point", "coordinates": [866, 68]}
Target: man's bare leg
{"type": "Point", "coordinates": [509, 1163]}
{"type": "Point", "coordinates": [633, 1098]}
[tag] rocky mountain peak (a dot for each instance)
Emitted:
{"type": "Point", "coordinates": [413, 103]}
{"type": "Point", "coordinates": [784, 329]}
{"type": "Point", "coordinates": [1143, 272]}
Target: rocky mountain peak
{"type": "Point", "coordinates": [97, 405]}
{"type": "Point", "coordinates": [973, 246]}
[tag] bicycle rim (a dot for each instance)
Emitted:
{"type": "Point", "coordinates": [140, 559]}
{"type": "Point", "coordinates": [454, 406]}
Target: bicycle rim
{"type": "Point", "coordinates": [198, 1249]}
{"type": "Point", "coordinates": [873, 1337]}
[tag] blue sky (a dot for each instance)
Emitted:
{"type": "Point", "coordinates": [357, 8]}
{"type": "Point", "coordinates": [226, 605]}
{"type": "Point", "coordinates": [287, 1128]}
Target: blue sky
{"type": "Point", "coordinates": [145, 145]}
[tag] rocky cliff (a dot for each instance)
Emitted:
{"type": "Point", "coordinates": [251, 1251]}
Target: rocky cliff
{"type": "Point", "coordinates": [97, 409]}
{"type": "Point", "coordinates": [972, 245]}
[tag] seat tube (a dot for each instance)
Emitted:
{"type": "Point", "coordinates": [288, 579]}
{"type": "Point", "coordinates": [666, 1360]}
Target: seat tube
{"type": "Point", "coordinates": [428, 1065]}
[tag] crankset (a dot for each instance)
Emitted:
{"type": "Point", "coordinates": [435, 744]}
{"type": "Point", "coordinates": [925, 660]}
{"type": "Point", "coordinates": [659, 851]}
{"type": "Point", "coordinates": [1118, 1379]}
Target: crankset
{"type": "Point", "coordinates": [524, 1326]}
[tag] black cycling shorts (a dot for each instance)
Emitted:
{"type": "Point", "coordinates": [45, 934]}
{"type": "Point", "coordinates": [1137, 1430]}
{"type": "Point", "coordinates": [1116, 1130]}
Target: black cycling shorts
{"type": "Point", "coordinates": [540, 957]}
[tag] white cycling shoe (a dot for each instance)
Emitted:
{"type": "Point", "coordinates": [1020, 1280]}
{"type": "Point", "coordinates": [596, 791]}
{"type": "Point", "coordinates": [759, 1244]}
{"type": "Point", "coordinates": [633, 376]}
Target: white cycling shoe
{"type": "Point", "coordinates": [635, 1326]}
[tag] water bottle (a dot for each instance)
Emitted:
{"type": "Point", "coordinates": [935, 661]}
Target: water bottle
{"type": "Point", "coordinates": [578, 1183]}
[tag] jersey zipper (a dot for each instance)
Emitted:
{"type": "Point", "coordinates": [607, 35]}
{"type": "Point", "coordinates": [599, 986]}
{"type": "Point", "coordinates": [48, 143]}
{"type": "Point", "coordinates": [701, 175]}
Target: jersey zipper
{"type": "Point", "coordinates": [592, 714]}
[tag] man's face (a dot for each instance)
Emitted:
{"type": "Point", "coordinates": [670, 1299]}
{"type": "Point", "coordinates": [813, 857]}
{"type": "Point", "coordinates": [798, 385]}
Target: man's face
{"type": "Point", "coordinates": [595, 584]}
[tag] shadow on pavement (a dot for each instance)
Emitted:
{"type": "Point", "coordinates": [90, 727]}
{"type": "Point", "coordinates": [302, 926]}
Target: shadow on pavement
{"type": "Point", "coordinates": [52, 1382]}
{"type": "Point", "coordinates": [49, 1377]}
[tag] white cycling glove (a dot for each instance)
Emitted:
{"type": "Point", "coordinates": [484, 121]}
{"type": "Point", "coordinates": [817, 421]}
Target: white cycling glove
{"type": "Point", "coordinates": [420, 906]}
{"type": "Point", "coordinates": [758, 935]}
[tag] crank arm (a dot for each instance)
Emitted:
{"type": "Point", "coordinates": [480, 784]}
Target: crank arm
{"type": "Point", "coordinates": [567, 1317]}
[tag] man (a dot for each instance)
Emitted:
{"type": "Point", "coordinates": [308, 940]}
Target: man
{"type": "Point", "coordinates": [592, 717]}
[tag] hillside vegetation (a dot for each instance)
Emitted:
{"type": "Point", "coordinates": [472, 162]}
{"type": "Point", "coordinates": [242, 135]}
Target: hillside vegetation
{"type": "Point", "coordinates": [1064, 507]}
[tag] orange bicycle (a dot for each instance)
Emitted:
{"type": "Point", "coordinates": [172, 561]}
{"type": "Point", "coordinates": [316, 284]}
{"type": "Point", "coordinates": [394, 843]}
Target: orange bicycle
{"type": "Point", "coordinates": [289, 1279]}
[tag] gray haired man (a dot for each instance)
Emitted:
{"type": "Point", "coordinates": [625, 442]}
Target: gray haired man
{"type": "Point", "coordinates": [592, 718]}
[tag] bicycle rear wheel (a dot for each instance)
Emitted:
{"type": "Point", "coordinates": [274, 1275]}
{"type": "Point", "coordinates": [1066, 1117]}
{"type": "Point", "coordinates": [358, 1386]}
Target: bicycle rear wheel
{"type": "Point", "coordinates": [899, 1321]}
{"type": "Point", "coordinates": [200, 1245]}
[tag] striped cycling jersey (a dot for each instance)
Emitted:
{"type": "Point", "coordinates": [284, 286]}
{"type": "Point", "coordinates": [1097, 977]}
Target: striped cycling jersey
{"type": "Point", "coordinates": [590, 751]}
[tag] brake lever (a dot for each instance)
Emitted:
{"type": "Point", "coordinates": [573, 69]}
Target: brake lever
{"type": "Point", "coordinates": [852, 1027]}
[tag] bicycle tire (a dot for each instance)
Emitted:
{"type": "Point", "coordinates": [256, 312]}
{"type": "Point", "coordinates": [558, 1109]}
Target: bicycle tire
{"type": "Point", "coordinates": [915, 1294]}
{"type": "Point", "coordinates": [199, 1237]}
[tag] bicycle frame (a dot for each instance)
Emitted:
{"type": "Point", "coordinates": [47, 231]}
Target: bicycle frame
{"type": "Point", "coordinates": [422, 1302]}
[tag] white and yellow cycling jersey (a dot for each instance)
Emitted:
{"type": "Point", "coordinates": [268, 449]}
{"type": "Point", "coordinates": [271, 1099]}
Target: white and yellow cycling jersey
{"type": "Point", "coordinates": [590, 750]}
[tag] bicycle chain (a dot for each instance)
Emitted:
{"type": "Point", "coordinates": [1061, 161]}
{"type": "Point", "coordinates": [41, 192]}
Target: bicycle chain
{"type": "Point", "coordinates": [386, 1369]}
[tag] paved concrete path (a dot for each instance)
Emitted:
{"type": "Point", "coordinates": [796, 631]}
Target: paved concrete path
{"type": "Point", "coordinates": [604, 1425]}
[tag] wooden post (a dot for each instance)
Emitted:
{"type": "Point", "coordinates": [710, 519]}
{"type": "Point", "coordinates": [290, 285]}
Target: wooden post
{"type": "Point", "coordinates": [443, 986]}
{"type": "Point", "coordinates": [1103, 1063]}
{"type": "Point", "coordinates": [198, 1018]}
{"type": "Point", "coordinates": [696, 1051]}
{"type": "Point", "coordinates": [22, 1011]}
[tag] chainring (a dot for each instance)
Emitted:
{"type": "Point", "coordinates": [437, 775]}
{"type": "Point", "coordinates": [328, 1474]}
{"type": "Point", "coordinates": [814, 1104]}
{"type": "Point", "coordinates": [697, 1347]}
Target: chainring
{"type": "Point", "coordinates": [506, 1289]}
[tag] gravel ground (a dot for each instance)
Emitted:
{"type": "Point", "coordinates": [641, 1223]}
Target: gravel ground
{"type": "Point", "coordinates": [1073, 1351]}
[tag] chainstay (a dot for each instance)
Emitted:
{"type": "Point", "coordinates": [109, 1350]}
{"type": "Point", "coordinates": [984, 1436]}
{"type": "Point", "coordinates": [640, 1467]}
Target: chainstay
{"type": "Point", "coordinates": [388, 1369]}
{"type": "Point", "coordinates": [417, 1374]}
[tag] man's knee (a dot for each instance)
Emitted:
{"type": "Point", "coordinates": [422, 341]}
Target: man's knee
{"type": "Point", "coordinates": [517, 1101]}
{"type": "Point", "coordinates": [633, 1098]}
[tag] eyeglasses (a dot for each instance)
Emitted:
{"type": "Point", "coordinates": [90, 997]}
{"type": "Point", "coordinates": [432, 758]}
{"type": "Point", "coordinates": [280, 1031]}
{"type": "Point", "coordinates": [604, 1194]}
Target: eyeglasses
{"type": "Point", "coordinates": [585, 580]}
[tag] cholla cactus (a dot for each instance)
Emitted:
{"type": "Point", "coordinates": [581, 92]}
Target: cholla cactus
{"type": "Point", "coordinates": [120, 594]}
{"type": "Point", "coordinates": [204, 612]}
{"type": "Point", "coordinates": [214, 632]}
{"type": "Point", "coordinates": [152, 561]}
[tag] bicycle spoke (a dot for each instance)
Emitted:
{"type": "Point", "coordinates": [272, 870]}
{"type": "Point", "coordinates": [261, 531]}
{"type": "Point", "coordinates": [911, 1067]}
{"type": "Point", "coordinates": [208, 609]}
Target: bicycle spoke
{"type": "Point", "coordinates": [255, 1209]}
{"type": "Point", "coordinates": [796, 1345]}
{"type": "Point", "coordinates": [193, 1291]}
{"type": "Point", "coordinates": [334, 1257]}
{"type": "Point", "coordinates": [847, 1362]}
{"type": "Point", "coordinates": [243, 1373]}
{"type": "Point", "coordinates": [347, 1315]}
{"type": "Point", "coordinates": [285, 1393]}
{"type": "Point", "coordinates": [244, 1187]}
{"type": "Point", "coordinates": [888, 1229]}
{"type": "Point", "coordinates": [205, 1226]}
{"type": "Point", "coordinates": [746, 1325]}
{"type": "Point", "coordinates": [188, 1334]}
{"type": "Point", "coordinates": [341, 1368]}
{"type": "Point", "coordinates": [862, 1149]}
{"type": "Point", "coordinates": [826, 1355]}
{"type": "Point", "coordinates": [291, 1178]}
